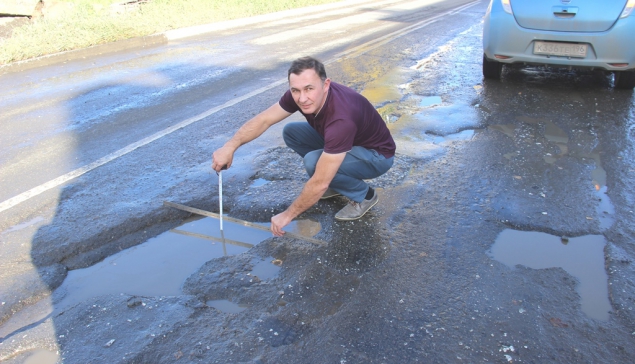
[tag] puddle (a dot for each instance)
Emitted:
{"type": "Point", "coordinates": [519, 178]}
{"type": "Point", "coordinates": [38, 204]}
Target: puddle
{"type": "Point", "coordinates": [42, 357]}
{"type": "Point", "coordinates": [259, 182]}
{"type": "Point", "coordinates": [581, 257]}
{"type": "Point", "coordinates": [430, 101]}
{"type": "Point", "coordinates": [265, 269]}
{"type": "Point", "coordinates": [159, 266]}
{"type": "Point", "coordinates": [605, 209]}
{"type": "Point", "coordinates": [227, 306]}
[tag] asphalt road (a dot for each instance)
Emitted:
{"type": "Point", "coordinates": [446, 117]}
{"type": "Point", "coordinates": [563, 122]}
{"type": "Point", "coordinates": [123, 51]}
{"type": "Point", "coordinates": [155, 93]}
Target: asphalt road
{"type": "Point", "coordinates": [504, 232]}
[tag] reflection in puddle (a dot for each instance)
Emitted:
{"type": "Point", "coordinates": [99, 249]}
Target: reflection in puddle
{"type": "Point", "coordinates": [227, 306]}
{"type": "Point", "coordinates": [605, 210]}
{"type": "Point", "coordinates": [582, 257]}
{"type": "Point", "coordinates": [159, 266]}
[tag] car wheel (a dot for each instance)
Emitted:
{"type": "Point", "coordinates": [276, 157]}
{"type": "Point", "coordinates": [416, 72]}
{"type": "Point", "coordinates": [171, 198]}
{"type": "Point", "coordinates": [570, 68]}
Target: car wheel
{"type": "Point", "coordinates": [492, 69]}
{"type": "Point", "coordinates": [625, 79]}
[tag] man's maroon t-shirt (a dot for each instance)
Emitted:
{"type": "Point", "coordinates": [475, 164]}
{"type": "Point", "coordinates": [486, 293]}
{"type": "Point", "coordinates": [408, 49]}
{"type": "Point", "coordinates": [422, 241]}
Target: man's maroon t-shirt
{"type": "Point", "coordinates": [347, 119]}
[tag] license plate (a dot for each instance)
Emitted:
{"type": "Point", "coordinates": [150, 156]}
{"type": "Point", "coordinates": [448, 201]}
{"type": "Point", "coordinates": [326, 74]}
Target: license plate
{"type": "Point", "coordinates": [560, 49]}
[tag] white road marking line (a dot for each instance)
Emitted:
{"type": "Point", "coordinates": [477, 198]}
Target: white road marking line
{"type": "Point", "coordinates": [351, 53]}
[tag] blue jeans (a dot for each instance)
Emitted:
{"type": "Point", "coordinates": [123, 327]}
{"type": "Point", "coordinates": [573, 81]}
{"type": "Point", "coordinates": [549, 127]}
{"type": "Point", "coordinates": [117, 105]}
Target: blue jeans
{"type": "Point", "coordinates": [359, 164]}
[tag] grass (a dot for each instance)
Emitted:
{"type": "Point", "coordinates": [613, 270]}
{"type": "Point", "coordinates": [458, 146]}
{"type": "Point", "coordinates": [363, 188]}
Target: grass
{"type": "Point", "coordinates": [90, 22]}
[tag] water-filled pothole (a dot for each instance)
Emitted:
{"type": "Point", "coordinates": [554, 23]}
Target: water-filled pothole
{"type": "Point", "coordinates": [266, 269]}
{"type": "Point", "coordinates": [159, 266]}
{"type": "Point", "coordinates": [227, 306]}
{"type": "Point", "coordinates": [582, 257]}
{"type": "Point", "coordinates": [259, 182]}
{"type": "Point", "coordinates": [430, 101]}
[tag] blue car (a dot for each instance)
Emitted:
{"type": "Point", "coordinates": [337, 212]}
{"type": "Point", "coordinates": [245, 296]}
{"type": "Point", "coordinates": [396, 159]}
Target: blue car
{"type": "Point", "coordinates": [588, 34]}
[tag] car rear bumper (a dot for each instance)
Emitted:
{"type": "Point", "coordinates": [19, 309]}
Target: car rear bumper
{"type": "Point", "coordinates": [503, 36]}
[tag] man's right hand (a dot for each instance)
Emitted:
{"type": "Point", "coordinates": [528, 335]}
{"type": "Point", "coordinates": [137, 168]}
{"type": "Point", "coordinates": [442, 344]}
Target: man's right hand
{"type": "Point", "coordinates": [222, 158]}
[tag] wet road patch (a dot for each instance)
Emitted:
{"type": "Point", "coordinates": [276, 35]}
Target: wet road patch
{"type": "Point", "coordinates": [582, 257]}
{"type": "Point", "coordinates": [544, 139]}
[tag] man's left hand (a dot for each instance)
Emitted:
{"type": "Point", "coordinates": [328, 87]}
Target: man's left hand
{"type": "Point", "coordinates": [278, 222]}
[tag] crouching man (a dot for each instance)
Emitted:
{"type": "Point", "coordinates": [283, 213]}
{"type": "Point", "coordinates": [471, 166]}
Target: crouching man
{"type": "Point", "coordinates": [343, 142]}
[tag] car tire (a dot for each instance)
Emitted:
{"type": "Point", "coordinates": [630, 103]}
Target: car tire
{"type": "Point", "coordinates": [492, 69]}
{"type": "Point", "coordinates": [625, 80]}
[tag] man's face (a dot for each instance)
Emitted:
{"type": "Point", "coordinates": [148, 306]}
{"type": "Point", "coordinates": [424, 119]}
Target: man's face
{"type": "Point", "coordinates": [308, 90]}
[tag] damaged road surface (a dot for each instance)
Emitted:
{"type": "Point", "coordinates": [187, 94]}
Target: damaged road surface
{"type": "Point", "coordinates": [504, 231]}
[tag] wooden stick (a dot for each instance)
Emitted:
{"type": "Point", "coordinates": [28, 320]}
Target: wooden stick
{"type": "Point", "coordinates": [238, 221]}
{"type": "Point", "coordinates": [212, 238]}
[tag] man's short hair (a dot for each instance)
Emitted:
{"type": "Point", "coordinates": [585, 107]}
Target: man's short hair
{"type": "Point", "coordinates": [307, 63]}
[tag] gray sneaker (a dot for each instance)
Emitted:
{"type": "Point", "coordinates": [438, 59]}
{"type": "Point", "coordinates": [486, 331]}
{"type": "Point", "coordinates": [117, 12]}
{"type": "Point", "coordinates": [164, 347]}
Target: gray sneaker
{"type": "Point", "coordinates": [355, 210]}
{"type": "Point", "coordinates": [330, 193]}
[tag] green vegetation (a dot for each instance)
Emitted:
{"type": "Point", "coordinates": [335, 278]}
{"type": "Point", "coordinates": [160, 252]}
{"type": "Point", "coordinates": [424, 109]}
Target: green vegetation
{"type": "Point", "coordinates": [89, 22]}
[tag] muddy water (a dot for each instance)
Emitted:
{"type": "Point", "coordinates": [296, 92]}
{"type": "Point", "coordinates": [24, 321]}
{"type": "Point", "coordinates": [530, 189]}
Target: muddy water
{"type": "Point", "coordinates": [159, 266]}
{"type": "Point", "coordinates": [582, 257]}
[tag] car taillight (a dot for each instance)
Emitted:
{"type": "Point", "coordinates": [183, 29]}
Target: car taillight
{"type": "Point", "coordinates": [628, 9]}
{"type": "Point", "coordinates": [507, 6]}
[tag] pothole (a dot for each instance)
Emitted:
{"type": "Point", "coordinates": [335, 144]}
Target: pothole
{"type": "Point", "coordinates": [159, 266]}
{"type": "Point", "coordinates": [429, 101]}
{"type": "Point", "coordinates": [582, 257]}
{"type": "Point", "coordinates": [266, 269]}
{"type": "Point", "coordinates": [227, 306]}
{"type": "Point", "coordinates": [258, 183]}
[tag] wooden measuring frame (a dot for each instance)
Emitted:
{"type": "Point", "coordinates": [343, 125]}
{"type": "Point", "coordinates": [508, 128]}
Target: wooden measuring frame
{"type": "Point", "coordinates": [241, 222]}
